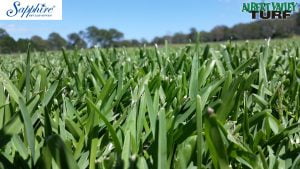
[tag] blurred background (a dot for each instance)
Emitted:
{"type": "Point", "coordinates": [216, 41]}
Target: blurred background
{"type": "Point", "coordinates": [131, 23]}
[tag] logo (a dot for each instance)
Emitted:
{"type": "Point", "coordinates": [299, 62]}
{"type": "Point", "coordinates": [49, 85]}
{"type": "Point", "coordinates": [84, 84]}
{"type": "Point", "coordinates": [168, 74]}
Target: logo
{"type": "Point", "coordinates": [31, 10]}
{"type": "Point", "coordinates": [270, 10]}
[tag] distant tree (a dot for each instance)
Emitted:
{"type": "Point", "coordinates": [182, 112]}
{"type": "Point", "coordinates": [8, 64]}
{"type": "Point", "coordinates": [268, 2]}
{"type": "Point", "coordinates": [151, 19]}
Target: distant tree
{"type": "Point", "coordinates": [220, 33]}
{"type": "Point", "coordinates": [3, 33]}
{"type": "Point", "coordinates": [243, 31]}
{"type": "Point", "coordinates": [102, 37]}
{"type": "Point", "coordinates": [144, 41]}
{"type": "Point", "coordinates": [91, 34]}
{"type": "Point", "coordinates": [7, 45]}
{"type": "Point", "coordinates": [180, 38]}
{"type": "Point", "coordinates": [39, 44]}
{"type": "Point", "coordinates": [161, 40]}
{"type": "Point", "coordinates": [113, 35]}
{"type": "Point", "coordinates": [284, 28]}
{"type": "Point", "coordinates": [22, 44]}
{"type": "Point", "coordinates": [157, 40]}
{"type": "Point", "coordinates": [135, 42]}
{"type": "Point", "coordinates": [205, 36]}
{"type": "Point", "coordinates": [296, 18]}
{"type": "Point", "coordinates": [127, 43]}
{"type": "Point", "coordinates": [56, 42]}
{"type": "Point", "coordinates": [193, 35]}
{"type": "Point", "coordinates": [75, 41]}
{"type": "Point", "coordinates": [265, 29]}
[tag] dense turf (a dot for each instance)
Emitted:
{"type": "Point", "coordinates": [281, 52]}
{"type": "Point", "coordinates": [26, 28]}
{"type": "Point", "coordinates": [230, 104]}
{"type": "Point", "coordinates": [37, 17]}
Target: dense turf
{"type": "Point", "coordinates": [225, 106]}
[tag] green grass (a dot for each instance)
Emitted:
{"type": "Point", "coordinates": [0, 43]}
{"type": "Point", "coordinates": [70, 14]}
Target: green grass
{"type": "Point", "coordinates": [226, 105]}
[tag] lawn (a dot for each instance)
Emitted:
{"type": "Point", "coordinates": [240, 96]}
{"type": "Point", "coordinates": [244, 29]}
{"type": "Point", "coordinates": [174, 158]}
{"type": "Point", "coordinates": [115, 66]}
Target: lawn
{"type": "Point", "coordinates": [217, 105]}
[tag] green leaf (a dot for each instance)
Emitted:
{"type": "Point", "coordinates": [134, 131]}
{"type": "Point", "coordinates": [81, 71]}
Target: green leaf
{"type": "Point", "coordinates": [215, 143]}
{"type": "Point", "coordinates": [11, 88]}
{"type": "Point", "coordinates": [193, 89]}
{"type": "Point", "coordinates": [199, 131]}
{"type": "Point", "coordinates": [61, 154]}
{"type": "Point", "coordinates": [108, 125]}
{"type": "Point", "coordinates": [126, 150]}
{"type": "Point", "coordinates": [185, 152]}
{"type": "Point", "coordinates": [206, 70]}
{"type": "Point", "coordinates": [28, 73]}
{"type": "Point", "coordinates": [93, 153]}
{"type": "Point", "coordinates": [20, 146]}
{"type": "Point", "coordinates": [29, 132]}
{"type": "Point", "coordinates": [162, 141]}
{"type": "Point", "coordinates": [151, 110]}
{"type": "Point", "coordinates": [274, 124]}
{"type": "Point", "coordinates": [49, 94]}
{"type": "Point", "coordinates": [142, 164]}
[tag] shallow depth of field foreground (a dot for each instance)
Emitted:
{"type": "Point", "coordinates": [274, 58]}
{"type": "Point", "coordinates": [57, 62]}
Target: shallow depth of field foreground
{"type": "Point", "coordinates": [230, 105]}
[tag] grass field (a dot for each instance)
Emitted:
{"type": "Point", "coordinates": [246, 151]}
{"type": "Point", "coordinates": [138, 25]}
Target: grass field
{"type": "Point", "coordinates": [226, 105]}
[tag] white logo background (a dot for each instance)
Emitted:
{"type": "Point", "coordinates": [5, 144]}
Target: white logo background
{"type": "Point", "coordinates": [30, 10]}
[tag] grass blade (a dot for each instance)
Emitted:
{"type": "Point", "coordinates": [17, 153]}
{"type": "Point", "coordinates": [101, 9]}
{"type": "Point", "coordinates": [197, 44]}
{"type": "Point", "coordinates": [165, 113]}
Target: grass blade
{"type": "Point", "coordinates": [28, 73]}
{"type": "Point", "coordinates": [162, 141]}
{"type": "Point", "coordinates": [193, 89]}
{"type": "Point", "coordinates": [29, 132]}
{"type": "Point", "coordinates": [108, 125]}
{"type": "Point", "coordinates": [61, 154]}
{"type": "Point", "coordinates": [199, 131]}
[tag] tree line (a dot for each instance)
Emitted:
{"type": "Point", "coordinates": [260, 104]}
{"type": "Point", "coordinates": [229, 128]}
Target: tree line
{"type": "Point", "coordinates": [258, 29]}
{"type": "Point", "coordinates": [93, 36]}
{"type": "Point", "coordinates": [90, 37]}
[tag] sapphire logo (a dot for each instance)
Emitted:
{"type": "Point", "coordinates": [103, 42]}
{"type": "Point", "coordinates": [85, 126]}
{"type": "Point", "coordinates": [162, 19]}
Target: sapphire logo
{"type": "Point", "coordinates": [38, 10]}
{"type": "Point", "coordinates": [31, 10]}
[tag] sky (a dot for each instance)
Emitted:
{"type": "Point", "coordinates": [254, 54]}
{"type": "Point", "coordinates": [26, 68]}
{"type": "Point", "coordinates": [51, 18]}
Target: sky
{"type": "Point", "coordinates": [135, 18]}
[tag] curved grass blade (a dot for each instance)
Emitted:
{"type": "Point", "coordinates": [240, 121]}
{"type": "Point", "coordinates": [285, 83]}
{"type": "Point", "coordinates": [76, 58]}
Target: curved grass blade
{"type": "Point", "coordinates": [11, 88]}
{"type": "Point", "coordinates": [108, 125]}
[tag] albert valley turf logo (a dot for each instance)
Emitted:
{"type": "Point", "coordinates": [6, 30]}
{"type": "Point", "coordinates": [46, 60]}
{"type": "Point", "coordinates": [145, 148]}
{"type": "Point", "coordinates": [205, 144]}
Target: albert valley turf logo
{"type": "Point", "coordinates": [31, 10]}
{"type": "Point", "coordinates": [270, 10]}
